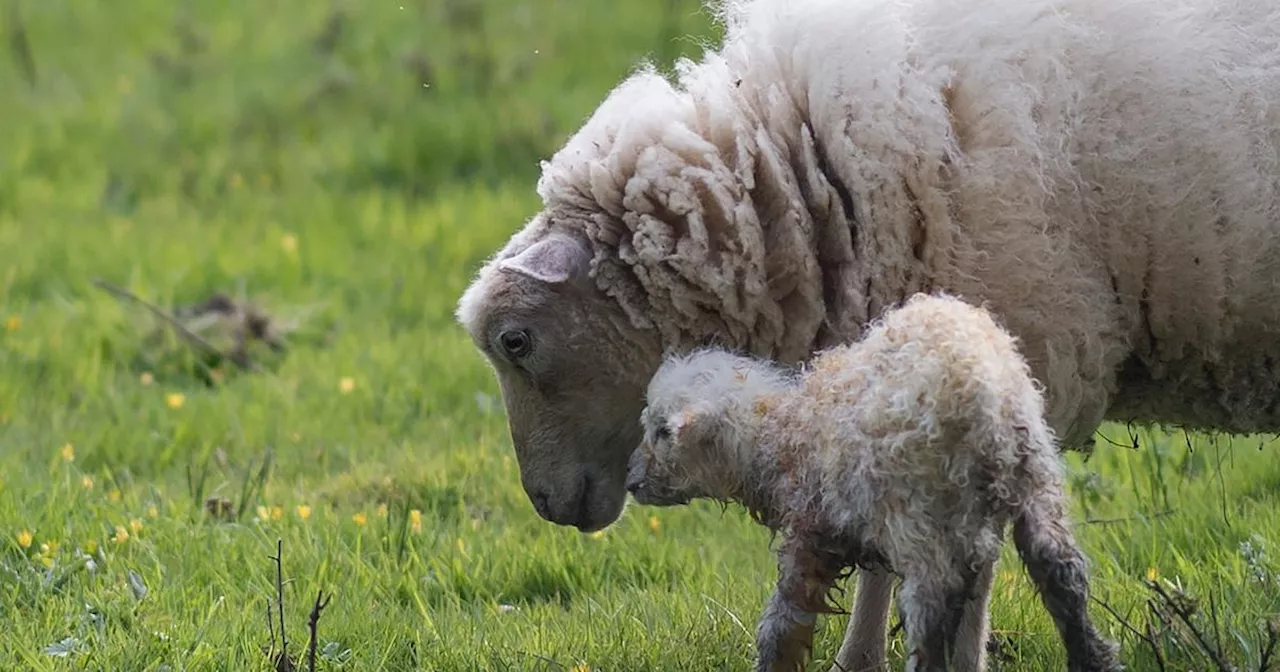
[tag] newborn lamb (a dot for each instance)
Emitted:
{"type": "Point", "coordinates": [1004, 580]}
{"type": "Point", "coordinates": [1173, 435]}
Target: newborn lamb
{"type": "Point", "coordinates": [910, 450]}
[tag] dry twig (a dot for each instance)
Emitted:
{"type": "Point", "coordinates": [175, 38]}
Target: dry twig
{"type": "Point", "coordinates": [1184, 615]}
{"type": "Point", "coordinates": [282, 662]}
{"type": "Point", "coordinates": [178, 327]}
{"type": "Point", "coordinates": [311, 625]}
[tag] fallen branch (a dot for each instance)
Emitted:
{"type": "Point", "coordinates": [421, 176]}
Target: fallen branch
{"type": "Point", "coordinates": [177, 325]}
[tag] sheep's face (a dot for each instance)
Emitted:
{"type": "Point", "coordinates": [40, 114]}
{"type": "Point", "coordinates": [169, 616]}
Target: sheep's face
{"type": "Point", "coordinates": [572, 372]}
{"type": "Point", "coordinates": [669, 468]}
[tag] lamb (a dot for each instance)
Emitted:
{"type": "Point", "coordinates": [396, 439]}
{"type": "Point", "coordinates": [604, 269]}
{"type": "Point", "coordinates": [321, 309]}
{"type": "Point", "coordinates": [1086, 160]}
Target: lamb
{"type": "Point", "coordinates": [909, 450]}
{"type": "Point", "coordinates": [1102, 175]}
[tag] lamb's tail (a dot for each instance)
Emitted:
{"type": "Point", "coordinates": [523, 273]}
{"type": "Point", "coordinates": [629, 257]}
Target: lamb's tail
{"type": "Point", "coordinates": [1043, 536]}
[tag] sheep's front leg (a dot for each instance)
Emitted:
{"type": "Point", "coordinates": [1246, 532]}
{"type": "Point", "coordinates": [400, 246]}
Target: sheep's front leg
{"type": "Point", "coordinates": [863, 649]}
{"type": "Point", "coordinates": [785, 634]}
{"type": "Point", "coordinates": [932, 608]}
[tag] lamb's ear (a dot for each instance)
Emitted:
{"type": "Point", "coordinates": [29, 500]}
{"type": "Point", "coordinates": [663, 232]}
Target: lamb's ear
{"type": "Point", "coordinates": [689, 420]}
{"type": "Point", "coordinates": [554, 259]}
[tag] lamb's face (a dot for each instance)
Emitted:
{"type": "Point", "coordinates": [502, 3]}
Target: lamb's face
{"type": "Point", "coordinates": [665, 470]}
{"type": "Point", "coordinates": [687, 425]}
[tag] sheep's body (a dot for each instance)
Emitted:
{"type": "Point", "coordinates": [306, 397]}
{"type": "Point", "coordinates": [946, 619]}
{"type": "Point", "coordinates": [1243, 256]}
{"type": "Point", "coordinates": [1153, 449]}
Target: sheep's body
{"type": "Point", "coordinates": [1101, 173]}
{"type": "Point", "coordinates": [911, 449]}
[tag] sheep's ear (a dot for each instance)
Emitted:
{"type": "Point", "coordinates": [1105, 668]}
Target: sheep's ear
{"type": "Point", "coordinates": [554, 259]}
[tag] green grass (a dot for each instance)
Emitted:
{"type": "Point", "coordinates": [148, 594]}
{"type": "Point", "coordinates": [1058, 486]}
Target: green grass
{"type": "Point", "coordinates": [175, 149]}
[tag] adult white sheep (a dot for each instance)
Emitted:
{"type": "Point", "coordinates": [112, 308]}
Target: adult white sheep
{"type": "Point", "coordinates": [1103, 174]}
{"type": "Point", "coordinates": [911, 449]}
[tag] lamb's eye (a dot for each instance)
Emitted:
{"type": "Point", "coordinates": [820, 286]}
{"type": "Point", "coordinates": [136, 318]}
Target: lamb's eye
{"type": "Point", "coordinates": [662, 433]}
{"type": "Point", "coordinates": [516, 342]}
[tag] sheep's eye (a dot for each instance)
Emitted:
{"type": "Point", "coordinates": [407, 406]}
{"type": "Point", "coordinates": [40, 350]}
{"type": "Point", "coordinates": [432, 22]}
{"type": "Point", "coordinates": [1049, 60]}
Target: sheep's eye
{"type": "Point", "coordinates": [662, 433]}
{"type": "Point", "coordinates": [516, 342]}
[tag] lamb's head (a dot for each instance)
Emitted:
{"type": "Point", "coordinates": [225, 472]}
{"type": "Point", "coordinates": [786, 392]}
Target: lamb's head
{"type": "Point", "coordinates": [698, 438]}
{"type": "Point", "coordinates": [571, 369]}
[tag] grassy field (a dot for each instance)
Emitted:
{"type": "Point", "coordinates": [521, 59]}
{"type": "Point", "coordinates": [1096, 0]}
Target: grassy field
{"type": "Point", "coordinates": [348, 166]}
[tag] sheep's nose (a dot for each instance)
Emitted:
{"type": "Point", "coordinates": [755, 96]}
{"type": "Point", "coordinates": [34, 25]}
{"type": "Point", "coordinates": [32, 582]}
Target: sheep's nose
{"type": "Point", "coordinates": [541, 503]}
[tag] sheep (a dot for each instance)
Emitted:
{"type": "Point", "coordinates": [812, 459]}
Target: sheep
{"type": "Point", "coordinates": [909, 450]}
{"type": "Point", "coordinates": [1101, 174]}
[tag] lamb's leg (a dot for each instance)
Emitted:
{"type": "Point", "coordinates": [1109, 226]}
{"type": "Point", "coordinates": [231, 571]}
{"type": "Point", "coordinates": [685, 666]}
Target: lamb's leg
{"type": "Point", "coordinates": [975, 624]}
{"type": "Point", "coordinates": [863, 649]}
{"type": "Point", "coordinates": [932, 607]}
{"type": "Point", "coordinates": [785, 634]}
{"type": "Point", "coordinates": [1057, 567]}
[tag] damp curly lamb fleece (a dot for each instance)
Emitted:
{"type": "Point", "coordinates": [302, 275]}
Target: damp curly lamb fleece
{"type": "Point", "coordinates": [911, 449]}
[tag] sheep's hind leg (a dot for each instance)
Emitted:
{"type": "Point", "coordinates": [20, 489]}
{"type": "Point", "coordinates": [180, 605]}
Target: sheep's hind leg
{"type": "Point", "coordinates": [932, 608]}
{"type": "Point", "coordinates": [863, 649]}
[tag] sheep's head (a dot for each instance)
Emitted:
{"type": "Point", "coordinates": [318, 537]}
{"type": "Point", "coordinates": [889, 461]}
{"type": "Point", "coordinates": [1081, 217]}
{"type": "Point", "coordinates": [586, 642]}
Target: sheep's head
{"type": "Point", "coordinates": [572, 371]}
{"type": "Point", "coordinates": [697, 427]}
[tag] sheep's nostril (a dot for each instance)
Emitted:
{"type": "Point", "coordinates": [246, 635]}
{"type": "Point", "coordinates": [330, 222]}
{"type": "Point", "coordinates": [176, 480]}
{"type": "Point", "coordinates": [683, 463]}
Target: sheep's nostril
{"type": "Point", "coordinates": [541, 503]}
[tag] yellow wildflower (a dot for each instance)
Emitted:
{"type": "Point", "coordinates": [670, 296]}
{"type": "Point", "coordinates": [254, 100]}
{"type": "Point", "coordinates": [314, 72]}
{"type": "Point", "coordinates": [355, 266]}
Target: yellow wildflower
{"type": "Point", "coordinates": [654, 523]}
{"type": "Point", "coordinates": [304, 511]}
{"type": "Point", "coordinates": [49, 547]}
{"type": "Point", "coordinates": [114, 495]}
{"type": "Point", "coordinates": [152, 512]}
{"type": "Point", "coordinates": [289, 242]}
{"type": "Point", "coordinates": [263, 514]}
{"type": "Point", "coordinates": [175, 400]}
{"type": "Point", "coordinates": [122, 535]}
{"type": "Point", "coordinates": [14, 323]}
{"type": "Point", "coordinates": [24, 538]}
{"type": "Point", "coordinates": [581, 668]}
{"type": "Point", "coordinates": [359, 518]}
{"type": "Point", "coordinates": [91, 546]}
{"type": "Point", "coordinates": [87, 482]}
{"type": "Point", "coordinates": [277, 513]}
{"type": "Point", "coordinates": [382, 510]}
{"type": "Point", "coordinates": [1152, 573]}
{"type": "Point", "coordinates": [135, 525]}
{"type": "Point", "coordinates": [598, 534]}
{"type": "Point", "coordinates": [146, 378]}
{"type": "Point", "coordinates": [346, 385]}
{"type": "Point", "coordinates": [415, 520]}
{"type": "Point", "coordinates": [68, 453]}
